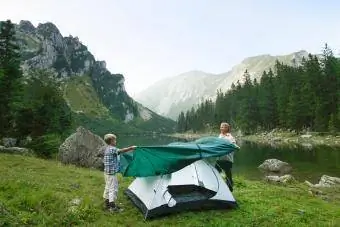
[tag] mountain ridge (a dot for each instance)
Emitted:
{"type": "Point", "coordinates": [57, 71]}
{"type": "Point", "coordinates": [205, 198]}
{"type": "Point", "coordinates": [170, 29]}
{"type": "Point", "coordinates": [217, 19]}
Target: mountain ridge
{"type": "Point", "coordinates": [81, 75]}
{"type": "Point", "coordinates": [172, 101]}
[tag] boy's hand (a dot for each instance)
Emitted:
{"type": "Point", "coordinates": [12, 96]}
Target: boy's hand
{"type": "Point", "coordinates": [133, 147]}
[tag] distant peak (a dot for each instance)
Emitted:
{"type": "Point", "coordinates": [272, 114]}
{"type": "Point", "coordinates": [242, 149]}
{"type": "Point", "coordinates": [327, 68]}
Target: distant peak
{"type": "Point", "coordinates": [194, 73]}
{"type": "Point", "coordinates": [26, 26]}
{"type": "Point", "coordinates": [47, 28]}
{"type": "Point", "coordinates": [299, 53]}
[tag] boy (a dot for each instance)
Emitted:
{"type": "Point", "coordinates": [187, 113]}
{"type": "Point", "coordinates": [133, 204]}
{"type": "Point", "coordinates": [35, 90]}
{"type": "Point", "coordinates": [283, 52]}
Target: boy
{"type": "Point", "coordinates": [111, 168]}
{"type": "Point", "coordinates": [225, 163]}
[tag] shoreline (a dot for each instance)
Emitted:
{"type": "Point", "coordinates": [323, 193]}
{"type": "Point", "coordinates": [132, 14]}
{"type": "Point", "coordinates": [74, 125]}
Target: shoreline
{"type": "Point", "coordinates": [285, 138]}
{"type": "Point", "coordinates": [190, 135]}
{"type": "Point", "coordinates": [275, 138]}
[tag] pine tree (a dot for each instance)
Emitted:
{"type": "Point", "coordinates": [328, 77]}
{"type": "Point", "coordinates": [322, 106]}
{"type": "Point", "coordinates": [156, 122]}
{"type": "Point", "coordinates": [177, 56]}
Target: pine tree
{"type": "Point", "coordinates": [220, 106]}
{"type": "Point", "coordinates": [285, 82]}
{"type": "Point", "coordinates": [310, 87]}
{"type": "Point", "coordinates": [327, 95]}
{"type": "Point", "coordinates": [248, 106]}
{"type": "Point", "coordinates": [11, 79]}
{"type": "Point", "coordinates": [267, 101]}
{"type": "Point", "coordinates": [45, 107]}
{"type": "Point", "coordinates": [332, 125]}
{"type": "Point", "coordinates": [181, 122]}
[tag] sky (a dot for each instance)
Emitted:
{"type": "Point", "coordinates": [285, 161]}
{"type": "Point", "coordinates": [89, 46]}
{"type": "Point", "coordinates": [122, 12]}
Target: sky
{"type": "Point", "coordinates": [148, 40]}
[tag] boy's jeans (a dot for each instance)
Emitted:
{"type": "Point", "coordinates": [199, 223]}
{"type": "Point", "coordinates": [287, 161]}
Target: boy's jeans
{"type": "Point", "coordinates": [111, 187]}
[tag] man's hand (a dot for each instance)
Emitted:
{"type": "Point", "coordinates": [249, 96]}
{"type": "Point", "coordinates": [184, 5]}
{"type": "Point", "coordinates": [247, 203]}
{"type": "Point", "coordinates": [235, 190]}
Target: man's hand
{"type": "Point", "coordinates": [133, 147]}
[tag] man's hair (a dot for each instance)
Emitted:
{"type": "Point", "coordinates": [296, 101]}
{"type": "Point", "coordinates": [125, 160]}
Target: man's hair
{"type": "Point", "coordinates": [227, 125]}
{"type": "Point", "coordinates": [108, 138]}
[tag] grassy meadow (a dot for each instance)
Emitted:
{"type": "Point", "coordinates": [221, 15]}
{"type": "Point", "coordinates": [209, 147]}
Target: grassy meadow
{"type": "Point", "coordinates": [37, 192]}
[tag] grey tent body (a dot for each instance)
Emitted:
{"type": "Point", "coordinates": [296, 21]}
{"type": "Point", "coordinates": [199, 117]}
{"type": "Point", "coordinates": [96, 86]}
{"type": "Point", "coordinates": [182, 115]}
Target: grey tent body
{"type": "Point", "coordinates": [195, 187]}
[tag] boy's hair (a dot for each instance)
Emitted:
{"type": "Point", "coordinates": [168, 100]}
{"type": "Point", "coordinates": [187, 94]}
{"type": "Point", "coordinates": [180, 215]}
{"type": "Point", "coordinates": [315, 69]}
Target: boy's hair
{"type": "Point", "coordinates": [108, 138]}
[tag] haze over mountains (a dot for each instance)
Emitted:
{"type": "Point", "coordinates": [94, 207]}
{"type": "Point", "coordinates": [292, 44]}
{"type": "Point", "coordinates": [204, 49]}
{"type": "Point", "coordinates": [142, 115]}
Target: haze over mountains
{"type": "Point", "coordinates": [170, 96]}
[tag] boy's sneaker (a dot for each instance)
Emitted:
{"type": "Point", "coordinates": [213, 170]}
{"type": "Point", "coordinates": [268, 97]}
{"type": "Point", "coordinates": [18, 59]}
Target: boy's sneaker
{"type": "Point", "coordinates": [115, 208]}
{"type": "Point", "coordinates": [106, 204]}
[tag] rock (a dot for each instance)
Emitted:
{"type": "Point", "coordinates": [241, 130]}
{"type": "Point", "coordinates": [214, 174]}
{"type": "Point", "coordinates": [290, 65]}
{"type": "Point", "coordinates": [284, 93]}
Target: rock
{"type": "Point", "coordinates": [272, 178]}
{"type": "Point", "coordinates": [26, 141]}
{"type": "Point", "coordinates": [310, 192]}
{"type": "Point", "coordinates": [75, 186]}
{"type": "Point", "coordinates": [74, 205]}
{"type": "Point", "coordinates": [9, 142]}
{"type": "Point", "coordinates": [26, 26]}
{"type": "Point", "coordinates": [3, 209]}
{"type": "Point", "coordinates": [287, 140]}
{"type": "Point", "coordinates": [15, 150]}
{"type": "Point", "coordinates": [275, 165]}
{"type": "Point", "coordinates": [75, 202]}
{"type": "Point", "coordinates": [82, 148]}
{"type": "Point", "coordinates": [307, 146]}
{"type": "Point", "coordinates": [285, 179]}
{"type": "Point", "coordinates": [277, 139]}
{"type": "Point", "coordinates": [309, 183]}
{"type": "Point", "coordinates": [325, 197]}
{"type": "Point", "coordinates": [301, 211]}
{"type": "Point", "coordinates": [325, 182]}
{"type": "Point", "coordinates": [73, 209]}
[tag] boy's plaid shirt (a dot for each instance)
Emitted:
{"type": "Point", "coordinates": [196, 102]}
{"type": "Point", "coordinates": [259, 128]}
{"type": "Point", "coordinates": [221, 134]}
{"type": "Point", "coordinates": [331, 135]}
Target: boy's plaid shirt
{"type": "Point", "coordinates": [111, 162]}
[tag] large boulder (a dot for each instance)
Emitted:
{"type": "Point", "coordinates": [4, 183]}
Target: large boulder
{"type": "Point", "coordinates": [82, 148]}
{"type": "Point", "coordinates": [275, 165]}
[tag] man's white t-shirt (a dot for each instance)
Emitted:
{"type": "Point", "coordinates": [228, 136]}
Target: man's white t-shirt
{"type": "Point", "coordinates": [229, 157]}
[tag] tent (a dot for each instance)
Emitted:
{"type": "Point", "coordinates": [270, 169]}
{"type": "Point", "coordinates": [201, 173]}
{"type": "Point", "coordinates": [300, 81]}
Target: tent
{"type": "Point", "coordinates": [148, 161]}
{"type": "Point", "coordinates": [196, 186]}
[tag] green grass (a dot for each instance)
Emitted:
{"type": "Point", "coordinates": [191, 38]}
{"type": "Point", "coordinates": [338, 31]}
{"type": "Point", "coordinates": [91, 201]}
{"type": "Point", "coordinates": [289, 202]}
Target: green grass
{"type": "Point", "coordinates": [81, 96]}
{"type": "Point", "coordinates": [38, 192]}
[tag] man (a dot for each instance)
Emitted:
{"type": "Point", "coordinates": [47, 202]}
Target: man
{"type": "Point", "coordinates": [225, 163]}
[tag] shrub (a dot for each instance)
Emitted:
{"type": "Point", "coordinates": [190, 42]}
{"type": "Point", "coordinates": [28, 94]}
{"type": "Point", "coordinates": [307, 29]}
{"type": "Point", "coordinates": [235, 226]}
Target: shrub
{"type": "Point", "coordinates": [46, 146]}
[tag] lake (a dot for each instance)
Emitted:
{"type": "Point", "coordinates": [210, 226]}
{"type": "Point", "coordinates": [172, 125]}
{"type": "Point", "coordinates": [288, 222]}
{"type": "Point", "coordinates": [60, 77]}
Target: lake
{"type": "Point", "coordinates": [308, 163]}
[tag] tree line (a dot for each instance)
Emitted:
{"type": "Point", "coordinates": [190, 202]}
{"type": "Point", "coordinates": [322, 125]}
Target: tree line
{"type": "Point", "coordinates": [31, 105]}
{"type": "Point", "coordinates": [300, 97]}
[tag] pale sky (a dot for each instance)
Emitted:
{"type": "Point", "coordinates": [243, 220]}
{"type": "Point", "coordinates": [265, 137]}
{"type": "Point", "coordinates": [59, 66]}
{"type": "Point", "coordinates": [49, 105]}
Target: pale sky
{"type": "Point", "coordinates": [147, 40]}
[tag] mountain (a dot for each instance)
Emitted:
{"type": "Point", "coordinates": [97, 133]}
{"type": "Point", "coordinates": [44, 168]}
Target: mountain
{"type": "Point", "coordinates": [95, 95]}
{"type": "Point", "coordinates": [170, 96]}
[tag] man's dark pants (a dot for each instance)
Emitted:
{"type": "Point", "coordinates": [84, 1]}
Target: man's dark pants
{"type": "Point", "coordinates": [226, 166]}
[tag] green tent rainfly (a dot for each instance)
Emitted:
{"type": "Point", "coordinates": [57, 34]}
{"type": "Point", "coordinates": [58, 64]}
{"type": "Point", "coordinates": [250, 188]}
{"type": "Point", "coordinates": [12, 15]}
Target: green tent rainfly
{"type": "Point", "coordinates": [147, 161]}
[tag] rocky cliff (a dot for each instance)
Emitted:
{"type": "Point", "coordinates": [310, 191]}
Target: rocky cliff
{"type": "Point", "coordinates": [89, 88]}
